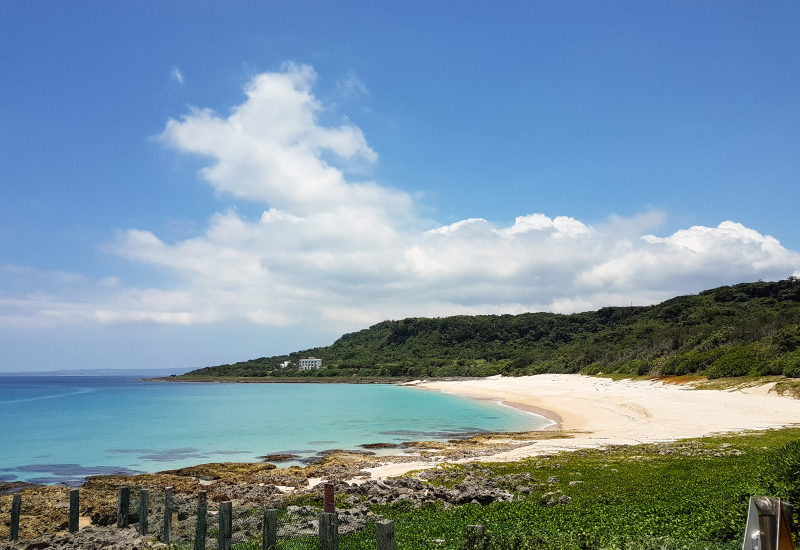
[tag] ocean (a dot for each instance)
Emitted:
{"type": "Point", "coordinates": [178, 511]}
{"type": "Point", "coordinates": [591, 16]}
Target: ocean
{"type": "Point", "coordinates": [60, 429]}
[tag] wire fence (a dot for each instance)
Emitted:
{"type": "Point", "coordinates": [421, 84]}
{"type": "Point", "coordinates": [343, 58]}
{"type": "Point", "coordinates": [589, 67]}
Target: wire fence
{"type": "Point", "coordinates": [298, 528]}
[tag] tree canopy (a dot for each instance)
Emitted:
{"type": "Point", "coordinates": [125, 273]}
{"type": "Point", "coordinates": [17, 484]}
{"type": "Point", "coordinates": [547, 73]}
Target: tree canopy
{"type": "Point", "coordinates": [744, 329]}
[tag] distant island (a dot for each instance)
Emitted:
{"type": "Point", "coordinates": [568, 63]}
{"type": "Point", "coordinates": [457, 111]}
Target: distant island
{"type": "Point", "coordinates": [748, 329]}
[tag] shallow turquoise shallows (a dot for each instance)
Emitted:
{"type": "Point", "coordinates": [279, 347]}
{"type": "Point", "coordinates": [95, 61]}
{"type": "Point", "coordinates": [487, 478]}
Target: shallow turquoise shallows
{"type": "Point", "coordinates": [61, 429]}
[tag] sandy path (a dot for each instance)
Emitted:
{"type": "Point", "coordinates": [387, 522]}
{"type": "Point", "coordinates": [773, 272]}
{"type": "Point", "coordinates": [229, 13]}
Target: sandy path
{"type": "Point", "coordinates": [604, 412]}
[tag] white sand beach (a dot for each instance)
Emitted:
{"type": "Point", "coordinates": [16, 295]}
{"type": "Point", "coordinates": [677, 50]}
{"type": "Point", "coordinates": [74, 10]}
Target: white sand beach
{"type": "Point", "coordinates": [600, 411]}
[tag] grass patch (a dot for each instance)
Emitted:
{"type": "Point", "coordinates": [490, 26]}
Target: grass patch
{"type": "Point", "coordinates": [685, 495]}
{"type": "Point", "coordinates": [736, 383]}
{"type": "Point", "coordinates": [789, 387]}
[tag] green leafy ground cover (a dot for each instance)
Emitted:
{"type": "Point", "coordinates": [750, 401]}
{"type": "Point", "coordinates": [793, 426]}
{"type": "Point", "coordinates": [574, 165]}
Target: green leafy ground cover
{"type": "Point", "coordinates": [749, 329]}
{"type": "Point", "coordinates": [685, 495]}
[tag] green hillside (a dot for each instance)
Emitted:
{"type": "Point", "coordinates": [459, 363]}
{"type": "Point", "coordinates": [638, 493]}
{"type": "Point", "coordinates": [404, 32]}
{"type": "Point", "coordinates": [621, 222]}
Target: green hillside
{"type": "Point", "coordinates": [745, 329]}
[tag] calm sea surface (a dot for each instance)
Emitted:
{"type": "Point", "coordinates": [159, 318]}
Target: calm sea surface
{"type": "Point", "coordinates": [61, 429]}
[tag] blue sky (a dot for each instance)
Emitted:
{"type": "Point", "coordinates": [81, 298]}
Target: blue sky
{"type": "Point", "coordinates": [185, 184]}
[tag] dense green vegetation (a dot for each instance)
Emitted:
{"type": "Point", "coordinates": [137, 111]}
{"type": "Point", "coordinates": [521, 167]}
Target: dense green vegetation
{"type": "Point", "coordinates": [690, 494]}
{"type": "Point", "coordinates": [740, 330]}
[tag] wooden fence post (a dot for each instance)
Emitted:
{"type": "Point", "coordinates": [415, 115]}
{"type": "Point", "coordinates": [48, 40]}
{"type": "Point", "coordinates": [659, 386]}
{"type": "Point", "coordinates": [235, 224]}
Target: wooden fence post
{"type": "Point", "coordinates": [225, 525]}
{"type": "Point", "coordinates": [476, 537]}
{"type": "Point", "coordinates": [74, 509]}
{"type": "Point", "coordinates": [16, 508]}
{"type": "Point", "coordinates": [329, 531]}
{"type": "Point", "coordinates": [144, 504]}
{"type": "Point", "coordinates": [269, 536]}
{"type": "Point", "coordinates": [167, 514]}
{"type": "Point", "coordinates": [123, 506]}
{"type": "Point", "coordinates": [200, 526]}
{"type": "Point", "coordinates": [329, 500]}
{"type": "Point", "coordinates": [386, 535]}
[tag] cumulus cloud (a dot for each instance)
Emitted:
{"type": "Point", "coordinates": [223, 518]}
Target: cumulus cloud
{"type": "Point", "coordinates": [272, 149]}
{"type": "Point", "coordinates": [334, 251]}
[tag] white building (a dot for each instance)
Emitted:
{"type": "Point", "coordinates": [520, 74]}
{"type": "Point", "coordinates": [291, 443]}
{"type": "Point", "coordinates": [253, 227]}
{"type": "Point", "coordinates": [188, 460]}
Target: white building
{"type": "Point", "coordinates": [310, 363]}
{"type": "Point", "coordinates": [285, 364]}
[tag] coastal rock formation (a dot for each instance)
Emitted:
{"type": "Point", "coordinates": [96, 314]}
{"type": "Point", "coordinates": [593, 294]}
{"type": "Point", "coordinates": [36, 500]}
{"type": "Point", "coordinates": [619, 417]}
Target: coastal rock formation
{"type": "Point", "coordinates": [257, 485]}
{"type": "Point", "coordinates": [416, 492]}
{"type": "Point", "coordinates": [88, 539]}
{"type": "Point", "coordinates": [279, 457]}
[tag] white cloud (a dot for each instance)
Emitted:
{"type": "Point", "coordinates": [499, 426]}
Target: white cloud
{"type": "Point", "coordinates": [562, 226]}
{"type": "Point", "coordinates": [350, 86]}
{"type": "Point", "coordinates": [698, 252]}
{"type": "Point", "coordinates": [176, 75]}
{"type": "Point", "coordinates": [329, 251]}
{"type": "Point", "coordinates": [272, 149]}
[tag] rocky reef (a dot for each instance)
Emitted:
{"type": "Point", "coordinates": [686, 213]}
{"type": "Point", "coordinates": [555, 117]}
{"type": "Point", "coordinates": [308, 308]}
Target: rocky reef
{"type": "Point", "coordinates": [255, 486]}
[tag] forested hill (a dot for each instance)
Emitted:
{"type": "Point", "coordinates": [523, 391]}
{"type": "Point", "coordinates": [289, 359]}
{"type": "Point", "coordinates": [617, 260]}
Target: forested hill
{"type": "Point", "coordinates": [750, 328]}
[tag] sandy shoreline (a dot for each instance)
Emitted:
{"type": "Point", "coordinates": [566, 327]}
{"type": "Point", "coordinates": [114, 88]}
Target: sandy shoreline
{"type": "Point", "coordinates": [631, 410]}
{"type": "Point", "coordinates": [598, 412]}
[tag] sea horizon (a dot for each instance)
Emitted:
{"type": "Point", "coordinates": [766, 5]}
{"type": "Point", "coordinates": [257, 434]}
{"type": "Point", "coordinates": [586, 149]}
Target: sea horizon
{"type": "Point", "coordinates": [111, 373]}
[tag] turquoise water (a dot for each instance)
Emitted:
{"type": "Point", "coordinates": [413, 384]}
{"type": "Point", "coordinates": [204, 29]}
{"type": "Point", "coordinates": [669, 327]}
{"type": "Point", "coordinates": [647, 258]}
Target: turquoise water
{"type": "Point", "coordinates": [61, 429]}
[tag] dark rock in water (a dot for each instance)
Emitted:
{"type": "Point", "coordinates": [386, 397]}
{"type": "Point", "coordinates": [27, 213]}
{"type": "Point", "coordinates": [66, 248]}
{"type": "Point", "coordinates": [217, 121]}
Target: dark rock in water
{"type": "Point", "coordinates": [279, 457]}
{"type": "Point", "coordinates": [345, 451]}
{"type": "Point", "coordinates": [380, 445]}
{"type": "Point", "coordinates": [465, 433]}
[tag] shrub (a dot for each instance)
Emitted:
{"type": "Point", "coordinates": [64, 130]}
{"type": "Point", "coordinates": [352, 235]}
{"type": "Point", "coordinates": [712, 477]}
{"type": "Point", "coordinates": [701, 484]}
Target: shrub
{"type": "Point", "coordinates": [692, 361]}
{"type": "Point", "coordinates": [640, 367]}
{"type": "Point", "coordinates": [635, 367]}
{"type": "Point", "coordinates": [555, 366]}
{"type": "Point", "coordinates": [592, 369]}
{"type": "Point", "coordinates": [716, 339]}
{"type": "Point", "coordinates": [739, 361]}
{"type": "Point", "coordinates": [788, 339]}
{"type": "Point", "coordinates": [788, 365]}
